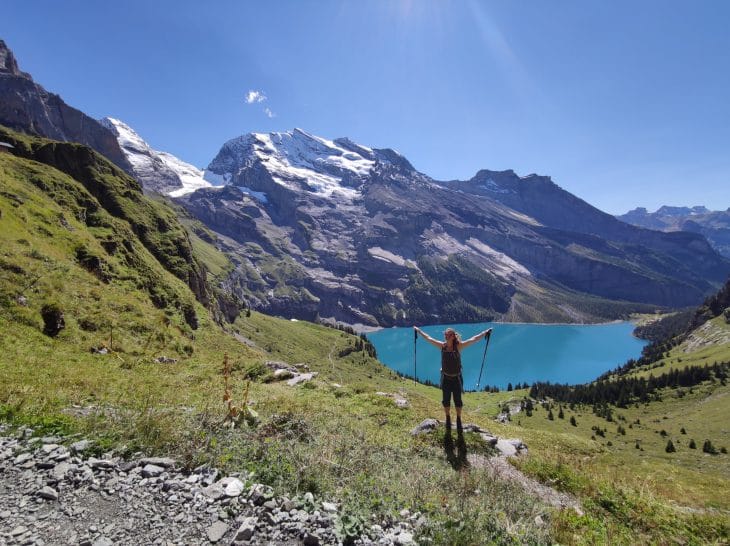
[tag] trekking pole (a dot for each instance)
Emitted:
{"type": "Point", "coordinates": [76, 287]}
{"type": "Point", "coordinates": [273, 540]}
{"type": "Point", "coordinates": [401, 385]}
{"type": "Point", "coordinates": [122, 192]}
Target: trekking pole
{"type": "Point", "coordinates": [415, 339]}
{"type": "Point", "coordinates": [484, 358]}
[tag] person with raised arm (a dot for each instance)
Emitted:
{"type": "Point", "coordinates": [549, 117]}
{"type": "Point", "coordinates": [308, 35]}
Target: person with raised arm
{"type": "Point", "coordinates": [452, 382]}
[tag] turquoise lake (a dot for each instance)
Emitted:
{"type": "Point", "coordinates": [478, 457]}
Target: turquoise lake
{"type": "Point", "coordinates": [517, 353]}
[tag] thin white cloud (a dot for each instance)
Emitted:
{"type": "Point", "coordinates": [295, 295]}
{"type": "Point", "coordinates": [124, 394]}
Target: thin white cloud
{"type": "Point", "coordinates": [269, 113]}
{"type": "Point", "coordinates": [255, 96]}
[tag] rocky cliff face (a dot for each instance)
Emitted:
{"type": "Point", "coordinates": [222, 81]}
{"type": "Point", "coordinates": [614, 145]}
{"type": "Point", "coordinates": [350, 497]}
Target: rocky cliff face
{"type": "Point", "coordinates": [26, 106]}
{"type": "Point", "coordinates": [713, 225]}
{"type": "Point", "coordinates": [336, 229]}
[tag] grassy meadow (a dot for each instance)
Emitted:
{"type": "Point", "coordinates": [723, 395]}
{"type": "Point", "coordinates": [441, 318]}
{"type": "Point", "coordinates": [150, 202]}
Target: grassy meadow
{"type": "Point", "coordinates": [341, 435]}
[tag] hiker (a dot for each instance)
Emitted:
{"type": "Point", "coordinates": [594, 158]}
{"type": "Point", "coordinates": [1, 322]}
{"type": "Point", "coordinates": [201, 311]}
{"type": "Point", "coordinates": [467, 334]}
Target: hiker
{"type": "Point", "coordinates": [452, 382]}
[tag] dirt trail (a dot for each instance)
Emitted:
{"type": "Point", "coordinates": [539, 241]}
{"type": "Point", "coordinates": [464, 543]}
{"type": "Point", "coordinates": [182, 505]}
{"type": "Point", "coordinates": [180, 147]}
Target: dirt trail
{"type": "Point", "coordinates": [500, 468]}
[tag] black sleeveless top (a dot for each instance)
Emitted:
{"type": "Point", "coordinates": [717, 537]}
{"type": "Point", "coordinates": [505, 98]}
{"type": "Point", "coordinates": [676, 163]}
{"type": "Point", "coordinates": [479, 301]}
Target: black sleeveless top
{"type": "Point", "coordinates": [450, 362]}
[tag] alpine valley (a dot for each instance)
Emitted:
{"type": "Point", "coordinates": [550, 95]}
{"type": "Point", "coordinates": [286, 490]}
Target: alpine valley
{"type": "Point", "coordinates": [149, 394]}
{"type": "Point", "coordinates": [332, 229]}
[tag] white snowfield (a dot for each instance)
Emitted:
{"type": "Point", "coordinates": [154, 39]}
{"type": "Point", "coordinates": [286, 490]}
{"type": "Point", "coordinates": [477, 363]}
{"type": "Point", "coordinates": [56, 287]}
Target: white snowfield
{"type": "Point", "coordinates": [148, 164]}
{"type": "Point", "coordinates": [320, 163]}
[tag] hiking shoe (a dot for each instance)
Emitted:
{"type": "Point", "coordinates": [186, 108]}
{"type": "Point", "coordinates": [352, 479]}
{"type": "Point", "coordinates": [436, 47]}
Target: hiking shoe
{"type": "Point", "coordinates": [458, 424]}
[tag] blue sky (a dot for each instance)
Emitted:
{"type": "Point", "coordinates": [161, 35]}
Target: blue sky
{"type": "Point", "coordinates": [623, 103]}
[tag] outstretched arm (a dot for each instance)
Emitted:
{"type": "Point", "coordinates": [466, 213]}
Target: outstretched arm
{"type": "Point", "coordinates": [432, 341]}
{"type": "Point", "coordinates": [474, 339]}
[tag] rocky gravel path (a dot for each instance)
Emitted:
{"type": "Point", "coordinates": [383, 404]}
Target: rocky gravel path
{"type": "Point", "coordinates": [53, 492]}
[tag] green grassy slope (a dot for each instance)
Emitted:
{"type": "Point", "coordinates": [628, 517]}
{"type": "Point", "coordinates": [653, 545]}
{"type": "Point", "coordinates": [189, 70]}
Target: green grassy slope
{"type": "Point", "coordinates": [336, 435]}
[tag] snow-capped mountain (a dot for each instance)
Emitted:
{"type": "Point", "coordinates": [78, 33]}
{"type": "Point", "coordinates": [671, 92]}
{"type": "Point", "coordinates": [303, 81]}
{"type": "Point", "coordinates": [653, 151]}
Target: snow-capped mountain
{"type": "Point", "coordinates": [331, 228]}
{"type": "Point", "coordinates": [157, 171]}
{"type": "Point", "coordinates": [298, 161]}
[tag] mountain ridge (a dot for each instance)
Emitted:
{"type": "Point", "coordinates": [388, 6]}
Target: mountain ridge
{"type": "Point", "coordinates": [333, 229]}
{"type": "Point", "coordinates": [344, 213]}
{"type": "Point", "coordinates": [713, 225]}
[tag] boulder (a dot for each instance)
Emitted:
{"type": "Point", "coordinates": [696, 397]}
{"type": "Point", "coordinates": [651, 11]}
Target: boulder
{"type": "Point", "coordinates": [426, 426]}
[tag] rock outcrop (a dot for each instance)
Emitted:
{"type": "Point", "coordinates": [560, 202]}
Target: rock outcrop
{"type": "Point", "coordinates": [27, 107]}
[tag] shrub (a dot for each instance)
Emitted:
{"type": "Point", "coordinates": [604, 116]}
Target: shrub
{"type": "Point", "coordinates": [53, 319]}
{"type": "Point", "coordinates": [692, 444]}
{"type": "Point", "coordinates": [707, 447]}
{"type": "Point", "coordinates": [670, 447]}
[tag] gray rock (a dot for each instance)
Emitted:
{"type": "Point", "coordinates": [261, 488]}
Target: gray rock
{"type": "Point", "coordinates": [101, 463]}
{"type": "Point", "coordinates": [49, 448]}
{"type": "Point", "coordinates": [22, 458]}
{"type": "Point", "coordinates": [152, 471]}
{"type": "Point", "coordinates": [19, 530]}
{"type": "Point", "coordinates": [426, 425]}
{"type": "Point", "coordinates": [102, 541]}
{"type": "Point", "coordinates": [48, 493]}
{"type": "Point", "coordinates": [511, 447]}
{"type": "Point", "coordinates": [164, 462]}
{"type": "Point", "coordinates": [232, 487]}
{"type": "Point", "coordinates": [217, 531]}
{"type": "Point", "coordinates": [225, 487]}
{"type": "Point", "coordinates": [301, 378]}
{"type": "Point", "coordinates": [60, 470]}
{"type": "Point", "coordinates": [404, 538]}
{"type": "Point", "coordinates": [80, 446]}
{"type": "Point", "coordinates": [246, 530]}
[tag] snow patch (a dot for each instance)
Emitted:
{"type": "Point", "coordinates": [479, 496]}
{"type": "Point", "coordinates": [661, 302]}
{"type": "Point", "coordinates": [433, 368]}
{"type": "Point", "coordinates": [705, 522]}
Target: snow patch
{"type": "Point", "coordinates": [258, 195]}
{"type": "Point", "coordinates": [326, 168]}
{"type": "Point", "coordinates": [153, 166]}
{"type": "Point", "coordinates": [491, 186]}
{"type": "Point", "coordinates": [386, 256]}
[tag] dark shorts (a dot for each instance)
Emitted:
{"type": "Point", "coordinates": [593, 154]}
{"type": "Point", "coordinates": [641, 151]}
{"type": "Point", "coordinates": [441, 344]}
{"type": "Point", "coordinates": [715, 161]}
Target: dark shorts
{"type": "Point", "coordinates": [451, 386]}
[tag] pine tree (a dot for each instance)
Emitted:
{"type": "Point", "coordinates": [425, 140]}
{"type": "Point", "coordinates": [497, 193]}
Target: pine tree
{"type": "Point", "coordinates": [550, 415]}
{"type": "Point", "coordinates": [692, 444]}
{"type": "Point", "coordinates": [509, 387]}
{"type": "Point", "coordinates": [670, 447]}
{"type": "Point", "coordinates": [572, 421]}
{"type": "Point", "coordinates": [561, 415]}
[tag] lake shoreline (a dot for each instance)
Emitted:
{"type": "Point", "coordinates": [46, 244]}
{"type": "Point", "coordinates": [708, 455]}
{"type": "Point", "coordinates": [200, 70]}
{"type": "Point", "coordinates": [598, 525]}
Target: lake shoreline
{"type": "Point", "coordinates": [519, 352]}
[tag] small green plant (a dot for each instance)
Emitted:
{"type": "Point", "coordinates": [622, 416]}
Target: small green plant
{"type": "Point", "coordinates": [349, 527]}
{"type": "Point", "coordinates": [235, 414]}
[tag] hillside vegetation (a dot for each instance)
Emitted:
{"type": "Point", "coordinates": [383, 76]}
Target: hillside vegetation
{"type": "Point", "coordinates": [121, 361]}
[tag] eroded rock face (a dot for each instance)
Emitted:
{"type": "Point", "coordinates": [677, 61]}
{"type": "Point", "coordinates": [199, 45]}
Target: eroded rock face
{"type": "Point", "coordinates": [26, 106]}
